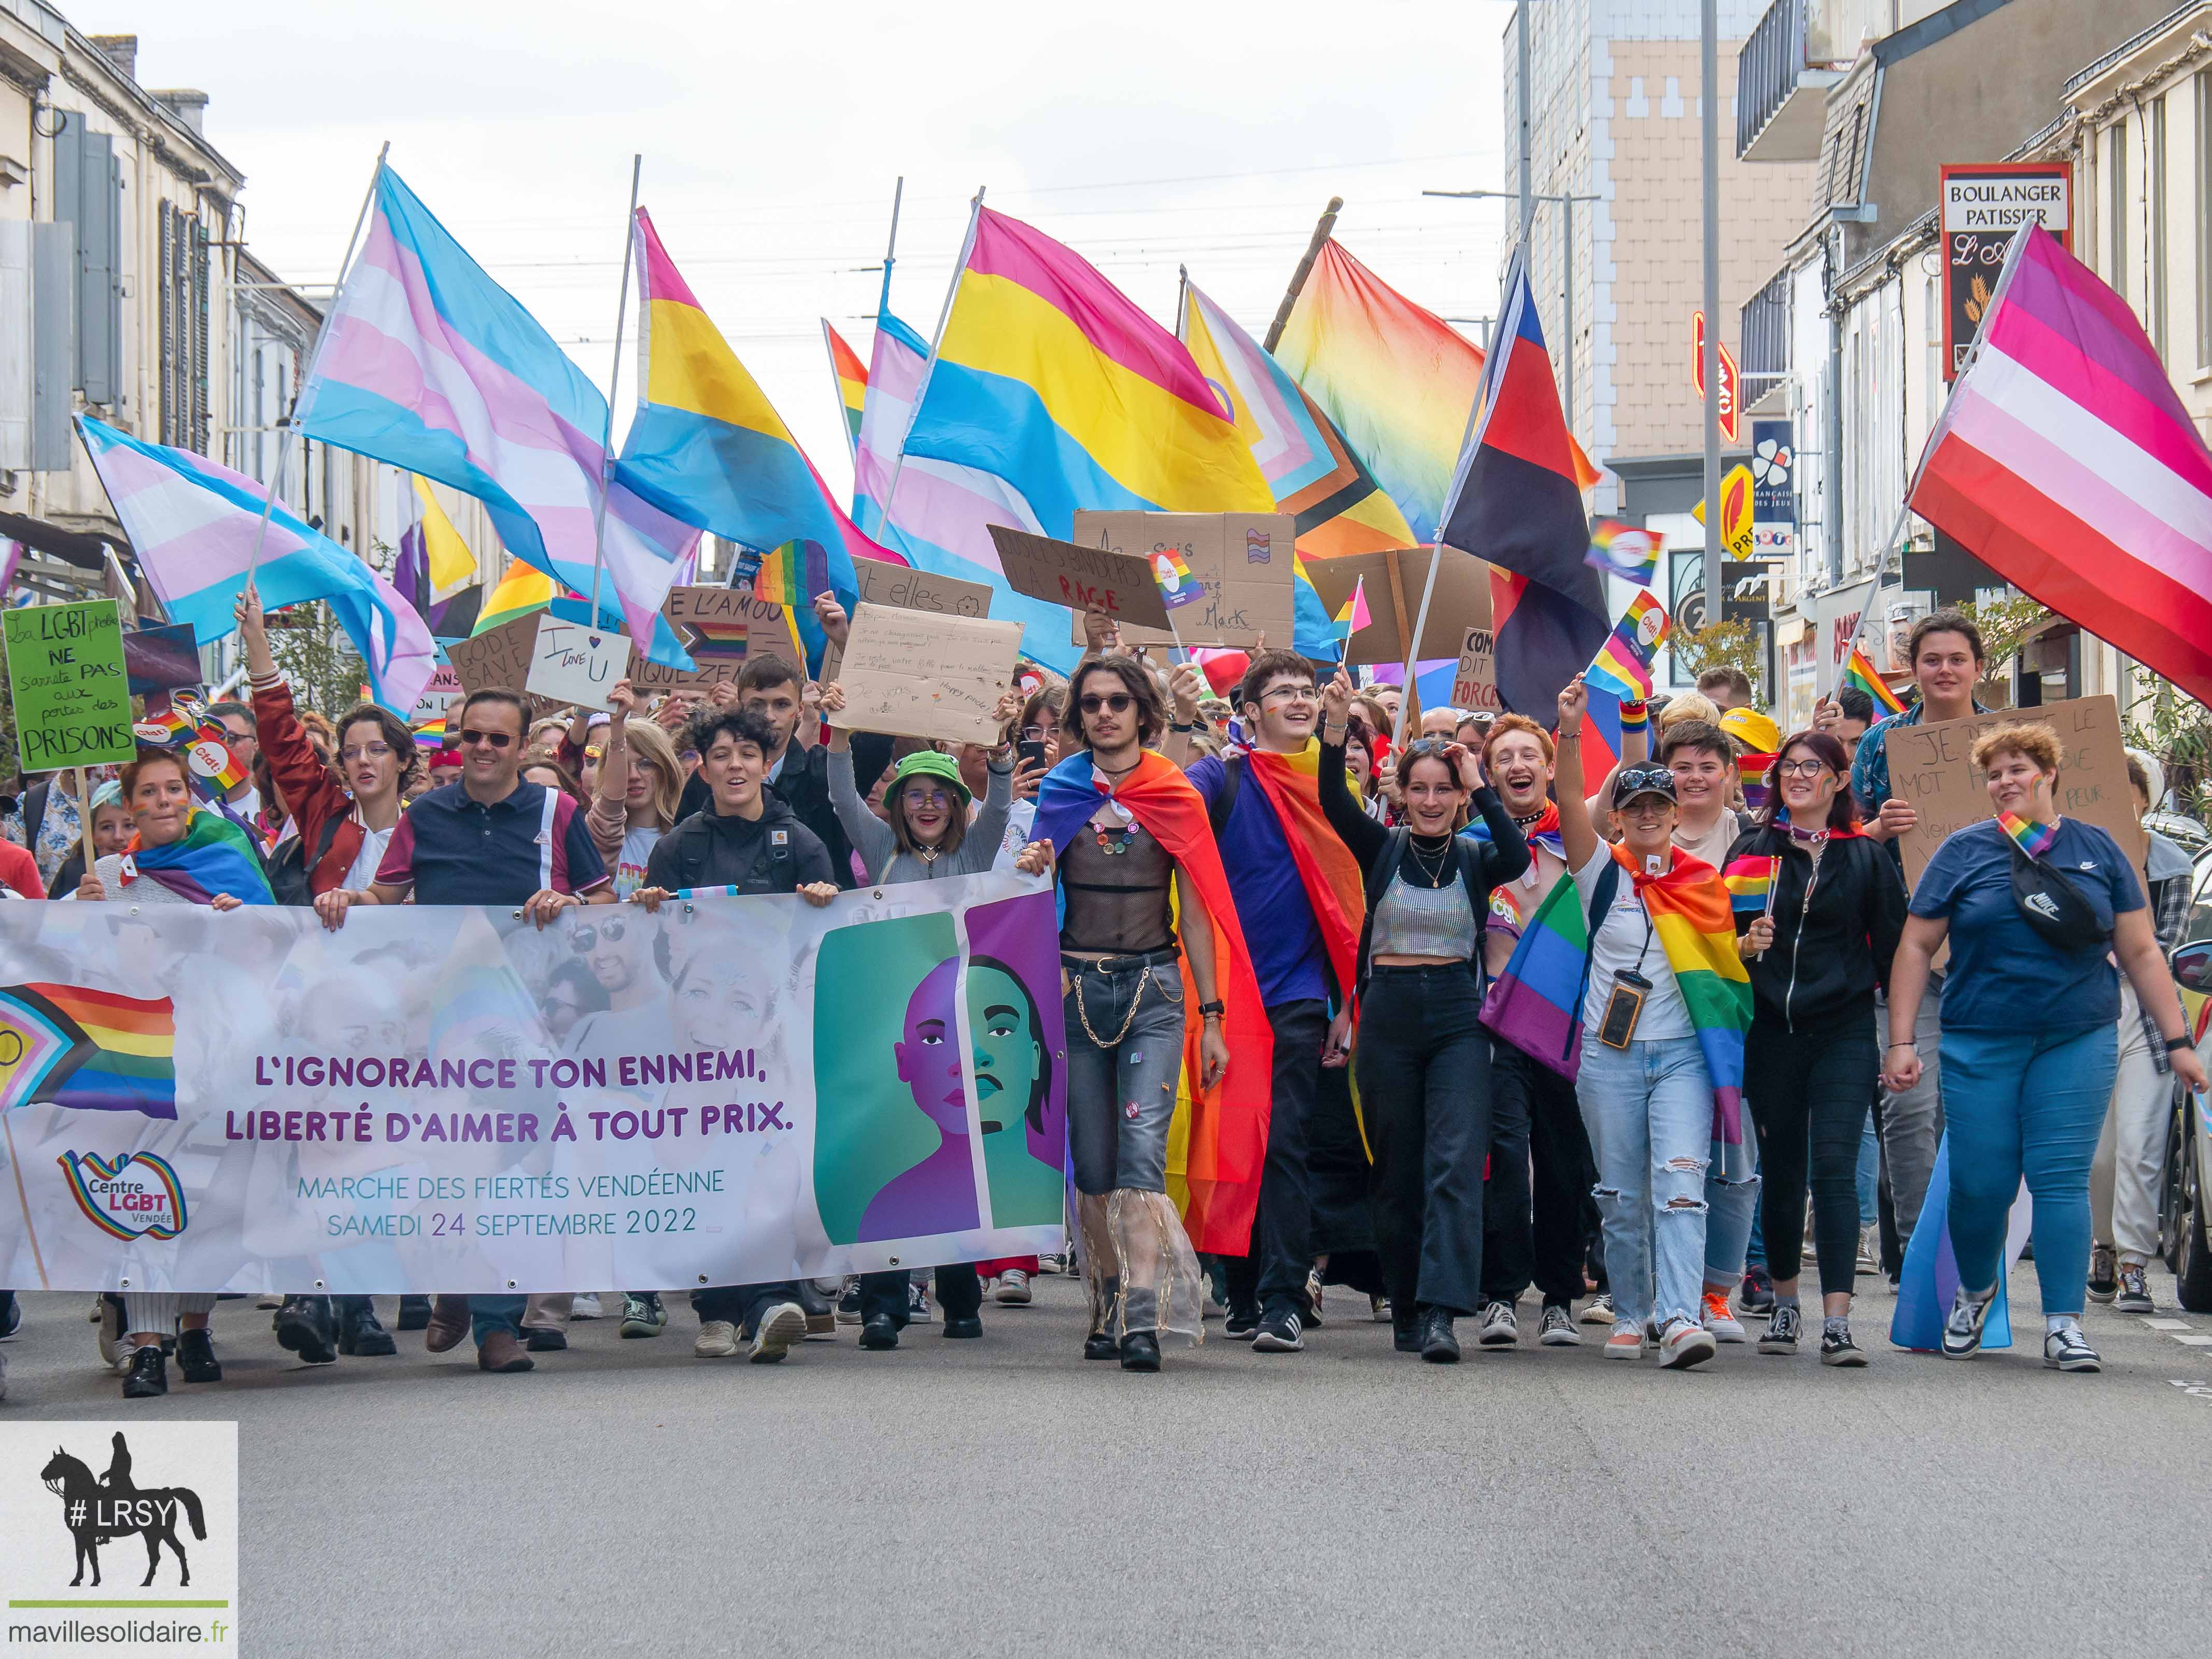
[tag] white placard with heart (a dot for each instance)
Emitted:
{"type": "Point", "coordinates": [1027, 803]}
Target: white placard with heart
{"type": "Point", "coordinates": [573, 664]}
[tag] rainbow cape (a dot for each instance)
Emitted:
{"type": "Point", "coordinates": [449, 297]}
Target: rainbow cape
{"type": "Point", "coordinates": [2034, 838]}
{"type": "Point", "coordinates": [1335, 886]}
{"type": "Point", "coordinates": [1227, 1138]}
{"type": "Point", "coordinates": [1860, 672]}
{"type": "Point", "coordinates": [1536, 1003]}
{"type": "Point", "coordinates": [93, 1050]}
{"type": "Point", "coordinates": [214, 856]}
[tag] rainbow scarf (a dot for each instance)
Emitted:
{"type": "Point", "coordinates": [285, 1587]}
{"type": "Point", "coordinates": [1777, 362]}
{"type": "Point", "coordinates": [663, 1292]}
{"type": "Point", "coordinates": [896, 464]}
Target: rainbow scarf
{"type": "Point", "coordinates": [1227, 1138]}
{"type": "Point", "coordinates": [214, 856]}
{"type": "Point", "coordinates": [1336, 886]}
{"type": "Point", "coordinates": [2034, 838]}
{"type": "Point", "coordinates": [1536, 1003]}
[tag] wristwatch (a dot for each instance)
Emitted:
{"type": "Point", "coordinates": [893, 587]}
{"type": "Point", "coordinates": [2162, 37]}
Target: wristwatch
{"type": "Point", "coordinates": [1177, 725]}
{"type": "Point", "coordinates": [1214, 1010]}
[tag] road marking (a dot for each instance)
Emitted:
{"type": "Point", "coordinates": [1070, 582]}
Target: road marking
{"type": "Point", "coordinates": [2196, 1385]}
{"type": "Point", "coordinates": [2192, 1341]}
{"type": "Point", "coordinates": [2168, 1324]}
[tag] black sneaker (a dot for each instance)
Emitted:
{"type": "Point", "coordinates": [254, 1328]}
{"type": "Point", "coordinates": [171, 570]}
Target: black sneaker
{"type": "Point", "coordinates": [2103, 1273]}
{"type": "Point", "coordinates": [1278, 1332]}
{"type": "Point", "coordinates": [1438, 1346]}
{"type": "Point", "coordinates": [1558, 1329]}
{"type": "Point", "coordinates": [2066, 1349]}
{"type": "Point", "coordinates": [305, 1327]}
{"type": "Point", "coordinates": [1962, 1331]}
{"type": "Point", "coordinates": [848, 1305]}
{"type": "Point", "coordinates": [545, 1340]}
{"type": "Point", "coordinates": [1241, 1323]}
{"type": "Point", "coordinates": [2134, 1295]}
{"type": "Point", "coordinates": [1837, 1347]}
{"type": "Point", "coordinates": [1498, 1328]}
{"type": "Point", "coordinates": [1781, 1334]}
{"type": "Point", "coordinates": [1756, 1298]}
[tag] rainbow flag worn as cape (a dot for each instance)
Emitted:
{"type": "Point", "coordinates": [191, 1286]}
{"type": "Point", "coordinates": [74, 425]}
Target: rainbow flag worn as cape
{"type": "Point", "coordinates": [2034, 839]}
{"type": "Point", "coordinates": [1536, 1003]}
{"type": "Point", "coordinates": [1227, 1133]}
{"type": "Point", "coordinates": [1623, 663]}
{"type": "Point", "coordinates": [1860, 672]}
{"type": "Point", "coordinates": [215, 855]}
{"type": "Point", "coordinates": [1336, 887]}
{"type": "Point", "coordinates": [95, 1050]}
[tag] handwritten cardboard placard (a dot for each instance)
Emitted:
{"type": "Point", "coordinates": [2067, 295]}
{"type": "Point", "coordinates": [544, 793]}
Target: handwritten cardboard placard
{"type": "Point", "coordinates": [67, 681]}
{"type": "Point", "coordinates": [895, 584]}
{"type": "Point", "coordinates": [443, 690]}
{"type": "Point", "coordinates": [1474, 683]}
{"type": "Point", "coordinates": [1931, 768]}
{"type": "Point", "coordinates": [497, 656]}
{"type": "Point", "coordinates": [1065, 572]}
{"type": "Point", "coordinates": [575, 665]}
{"type": "Point", "coordinates": [719, 627]}
{"type": "Point", "coordinates": [1461, 600]}
{"type": "Point", "coordinates": [1241, 560]}
{"type": "Point", "coordinates": [917, 675]}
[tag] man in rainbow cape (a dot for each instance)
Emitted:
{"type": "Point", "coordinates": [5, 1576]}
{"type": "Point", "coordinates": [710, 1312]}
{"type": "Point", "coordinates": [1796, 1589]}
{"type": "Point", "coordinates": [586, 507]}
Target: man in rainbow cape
{"type": "Point", "coordinates": [1135, 855]}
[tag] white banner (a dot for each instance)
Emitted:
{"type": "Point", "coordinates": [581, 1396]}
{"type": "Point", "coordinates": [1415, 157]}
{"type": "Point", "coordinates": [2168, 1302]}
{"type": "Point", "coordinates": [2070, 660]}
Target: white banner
{"type": "Point", "coordinates": [448, 1099]}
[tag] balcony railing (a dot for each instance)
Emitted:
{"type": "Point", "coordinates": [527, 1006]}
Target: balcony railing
{"type": "Point", "coordinates": [1782, 84]}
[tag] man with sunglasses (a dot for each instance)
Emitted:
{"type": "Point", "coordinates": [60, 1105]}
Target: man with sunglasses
{"type": "Point", "coordinates": [1247, 793]}
{"type": "Point", "coordinates": [489, 840]}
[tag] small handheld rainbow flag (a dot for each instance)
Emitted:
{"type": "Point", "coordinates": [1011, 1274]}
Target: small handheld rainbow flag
{"type": "Point", "coordinates": [1354, 615]}
{"type": "Point", "coordinates": [1624, 550]}
{"type": "Point", "coordinates": [1750, 882]}
{"type": "Point", "coordinates": [1858, 672]}
{"type": "Point", "coordinates": [1752, 770]}
{"type": "Point", "coordinates": [1177, 586]}
{"type": "Point", "coordinates": [2034, 838]}
{"type": "Point", "coordinates": [430, 734]}
{"type": "Point", "coordinates": [1623, 663]}
{"type": "Point", "coordinates": [211, 757]}
{"type": "Point", "coordinates": [851, 376]}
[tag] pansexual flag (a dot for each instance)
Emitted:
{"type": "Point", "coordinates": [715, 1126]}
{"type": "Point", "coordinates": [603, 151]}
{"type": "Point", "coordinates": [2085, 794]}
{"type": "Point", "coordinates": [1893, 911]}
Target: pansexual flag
{"type": "Point", "coordinates": [2066, 462]}
{"type": "Point", "coordinates": [1860, 672]}
{"type": "Point", "coordinates": [93, 1050]}
{"type": "Point", "coordinates": [1623, 663]}
{"type": "Point", "coordinates": [850, 375]}
{"type": "Point", "coordinates": [1353, 617]}
{"type": "Point", "coordinates": [1049, 377]}
{"type": "Point", "coordinates": [1624, 550]}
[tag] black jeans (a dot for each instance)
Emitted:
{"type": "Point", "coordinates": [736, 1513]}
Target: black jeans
{"type": "Point", "coordinates": [1273, 1270]}
{"type": "Point", "coordinates": [1425, 1091]}
{"type": "Point", "coordinates": [1536, 1230]}
{"type": "Point", "coordinates": [741, 1304]}
{"type": "Point", "coordinates": [1807, 1094]}
{"type": "Point", "coordinates": [959, 1293]}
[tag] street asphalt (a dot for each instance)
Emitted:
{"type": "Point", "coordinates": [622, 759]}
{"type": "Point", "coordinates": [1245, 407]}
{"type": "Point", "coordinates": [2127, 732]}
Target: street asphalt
{"type": "Point", "coordinates": [1003, 1496]}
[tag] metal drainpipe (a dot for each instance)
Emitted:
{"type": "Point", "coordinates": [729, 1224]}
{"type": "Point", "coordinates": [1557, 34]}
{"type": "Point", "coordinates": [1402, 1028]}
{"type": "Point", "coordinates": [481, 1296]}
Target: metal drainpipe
{"type": "Point", "coordinates": [1832, 489]}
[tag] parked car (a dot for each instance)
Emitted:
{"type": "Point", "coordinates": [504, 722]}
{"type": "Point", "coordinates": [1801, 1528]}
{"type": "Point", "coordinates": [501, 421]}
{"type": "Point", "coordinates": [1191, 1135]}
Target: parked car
{"type": "Point", "coordinates": [2191, 836]}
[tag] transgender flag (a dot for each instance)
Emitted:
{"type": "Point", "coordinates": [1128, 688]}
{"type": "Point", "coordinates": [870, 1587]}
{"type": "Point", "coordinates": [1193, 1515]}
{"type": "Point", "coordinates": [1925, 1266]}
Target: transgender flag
{"type": "Point", "coordinates": [2065, 462]}
{"type": "Point", "coordinates": [194, 525]}
{"type": "Point", "coordinates": [428, 363]}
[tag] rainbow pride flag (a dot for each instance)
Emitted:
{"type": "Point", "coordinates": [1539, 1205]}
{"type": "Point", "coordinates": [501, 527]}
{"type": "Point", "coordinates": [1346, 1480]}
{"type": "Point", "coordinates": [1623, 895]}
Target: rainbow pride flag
{"type": "Point", "coordinates": [850, 376]}
{"type": "Point", "coordinates": [1750, 882]}
{"type": "Point", "coordinates": [1049, 377]}
{"type": "Point", "coordinates": [1623, 663]}
{"type": "Point", "coordinates": [791, 575]}
{"type": "Point", "coordinates": [1624, 550]}
{"type": "Point", "coordinates": [523, 589]}
{"type": "Point", "coordinates": [1177, 589]}
{"type": "Point", "coordinates": [2034, 839]}
{"type": "Point", "coordinates": [214, 855]}
{"type": "Point", "coordinates": [709, 449]}
{"type": "Point", "coordinates": [1860, 672]}
{"type": "Point", "coordinates": [95, 1050]}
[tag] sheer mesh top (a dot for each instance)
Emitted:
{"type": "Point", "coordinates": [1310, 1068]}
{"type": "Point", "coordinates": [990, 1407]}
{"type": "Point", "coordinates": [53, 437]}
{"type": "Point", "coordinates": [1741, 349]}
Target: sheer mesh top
{"type": "Point", "coordinates": [1116, 882]}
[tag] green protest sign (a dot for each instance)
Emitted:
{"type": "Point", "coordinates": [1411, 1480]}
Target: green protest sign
{"type": "Point", "coordinates": [72, 691]}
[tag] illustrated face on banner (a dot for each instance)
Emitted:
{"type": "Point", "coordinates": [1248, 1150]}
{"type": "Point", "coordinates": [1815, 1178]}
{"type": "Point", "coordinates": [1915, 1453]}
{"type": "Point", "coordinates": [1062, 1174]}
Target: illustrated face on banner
{"type": "Point", "coordinates": [928, 1056]}
{"type": "Point", "coordinates": [1011, 1070]}
{"type": "Point", "coordinates": [1015, 1019]}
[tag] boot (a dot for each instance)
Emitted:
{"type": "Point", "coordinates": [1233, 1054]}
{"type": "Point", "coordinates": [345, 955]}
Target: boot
{"type": "Point", "coordinates": [413, 1313]}
{"type": "Point", "coordinates": [449, 1323]}
{"type": "Point", "coordinates": [360, 1334]}
{"type": "Point", "coordinates": [1140, 1352]}
{"type": "Point", "coordinates": [305, 1327]}
{"type": "Point", "coordinates": [1438, 1346]}
{"type": "Point", "coordinates": [499, 1351]}
{"type": "Point", "coordinates": [196, 1360]}
{"type": "Point", "coordinates": [148, 1376]}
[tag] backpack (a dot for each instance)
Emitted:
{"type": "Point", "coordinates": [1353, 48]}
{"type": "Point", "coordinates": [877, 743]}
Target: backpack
{"type": "Point", "coordinates": [289, 869]}
{"type": "Point", "coordinates": [1225, 802]}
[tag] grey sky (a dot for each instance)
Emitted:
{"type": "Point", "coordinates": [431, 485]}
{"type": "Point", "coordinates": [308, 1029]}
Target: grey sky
{"type": "Point", "coordinates": [1143, 134]}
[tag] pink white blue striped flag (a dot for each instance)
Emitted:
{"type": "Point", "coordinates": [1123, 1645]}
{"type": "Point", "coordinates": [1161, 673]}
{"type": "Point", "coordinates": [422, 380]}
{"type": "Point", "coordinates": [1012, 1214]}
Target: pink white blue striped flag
{"type": "Point", "coordinates": [193, 525]}
{"type": "Point", "coordinates": [2066, 463]}
{"type": "Point", "coordinates": [428, 363]}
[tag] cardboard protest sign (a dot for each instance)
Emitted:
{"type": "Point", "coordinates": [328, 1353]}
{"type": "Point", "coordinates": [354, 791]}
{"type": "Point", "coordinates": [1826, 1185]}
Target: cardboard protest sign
{"type": "Point", "coordinates": [67, 681]}
{"type": "Point", "coordinates": [718, 626]}
{"type": "Point", "coordinates": [1474, 685]}
{"type": "Point", "coordinates": [918, 675]}
{"type": "Point", "coordinates": [1931, 768]}
{"type": "Point", "coordinates": [573, 664]}
{"type": "Point", "coordinates": [443, 692]}
{"type": "Point", "coordinates": [1064, 573]}
{"type": "Point", "coordinates": [498, 656]}
{"type": "Point", "coordinates": [1242, 560]}
{"type": "Point", "coordinates": [885, 583]}
{"type": "Point", "coordinates": [1461, 600]}
{"type": "Point", "coordinates": [161, 658]}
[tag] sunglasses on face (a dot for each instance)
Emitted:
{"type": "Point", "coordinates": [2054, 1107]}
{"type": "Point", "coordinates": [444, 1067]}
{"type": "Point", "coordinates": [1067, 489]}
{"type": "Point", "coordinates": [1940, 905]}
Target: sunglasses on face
{"type": "Point", "coordinates": [585, 939]}
{"type": "Point", "coordinates": [1659, 778]}
{"type": "Point", "coordinates": [1114, 702]}
{"type": "Point", "coordinates": [472, 737]}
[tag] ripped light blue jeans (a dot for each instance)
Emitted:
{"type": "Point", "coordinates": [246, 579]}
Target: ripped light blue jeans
{"type": "Point", "coordinates": [1649, 1108]}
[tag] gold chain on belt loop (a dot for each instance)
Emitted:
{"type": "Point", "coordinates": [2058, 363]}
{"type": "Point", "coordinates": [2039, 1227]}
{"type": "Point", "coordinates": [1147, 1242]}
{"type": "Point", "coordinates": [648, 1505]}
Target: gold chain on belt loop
{"type": "Point", "coordinates": [1083, 1014]}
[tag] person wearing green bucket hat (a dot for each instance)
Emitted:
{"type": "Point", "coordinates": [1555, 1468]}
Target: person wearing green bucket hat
{"type": "Point", "coordinates": [925, 834]}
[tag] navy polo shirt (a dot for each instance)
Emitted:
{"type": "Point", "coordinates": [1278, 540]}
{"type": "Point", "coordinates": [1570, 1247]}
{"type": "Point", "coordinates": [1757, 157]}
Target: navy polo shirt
{"type": "Point", "coordinates": [454, 849]}
{"type": "Point", "coordinates": [1288, 957]}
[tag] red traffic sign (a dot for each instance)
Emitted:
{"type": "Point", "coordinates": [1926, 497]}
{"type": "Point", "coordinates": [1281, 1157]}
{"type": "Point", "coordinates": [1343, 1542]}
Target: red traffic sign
{"type": "Point", "coordinates": [1731, 379]}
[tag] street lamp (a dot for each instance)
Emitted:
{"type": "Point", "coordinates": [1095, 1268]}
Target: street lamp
{"type": "Point", "coordinates": [1566, 266]}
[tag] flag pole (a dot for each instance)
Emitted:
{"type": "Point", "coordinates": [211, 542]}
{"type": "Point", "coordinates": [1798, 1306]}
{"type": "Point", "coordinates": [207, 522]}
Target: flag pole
{"type": "Point", "coordinates": [614, 376]}
{"type": "Point", "coordinates": [929, 367]}
{"type": "Point", "coordinates": [308, 381]}
{"type": "Point", "coordinates": [838, 385]}
{"type": "Point", "coordinates": [891, 249]}
{"type": "Point", "coordinates": [1321, 231]}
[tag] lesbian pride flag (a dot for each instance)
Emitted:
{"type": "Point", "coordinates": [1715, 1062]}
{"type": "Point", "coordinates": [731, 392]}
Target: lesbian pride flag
{"type": "Point", "coordinates": [2066, 463]}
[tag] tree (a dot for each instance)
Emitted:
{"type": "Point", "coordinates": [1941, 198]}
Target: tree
{"type": "Point", "coordinates": [1729, 643]}
{"type": "Point", "coordinates": [2177, 731]}
{"type": "Point", "coordinates": [314, 655]}
{"type": "Point", "coordinates": [2006, 625]}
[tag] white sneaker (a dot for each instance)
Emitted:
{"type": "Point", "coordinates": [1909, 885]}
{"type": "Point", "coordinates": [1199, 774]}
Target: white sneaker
{"type": "Point", "coordinates": [1626, 1341]}
{"type": "Point", "coordinates": [585, 1306]}
{"type": "Point", "coordinates": [1013, 1290]}
{"type": "Point", "coordinates": [1686, 1344]}
{"type": "Point", "coordinates": [2067, 1350]}
{"type": "Point", "coordinates": [718, 1338]}
{"type": "Point", "coordinates": [1870, 1249]}
{"type": "Point", "coordinates": [779, 1326]}
{"type": "Point", "coordinates": [1715, 1317]}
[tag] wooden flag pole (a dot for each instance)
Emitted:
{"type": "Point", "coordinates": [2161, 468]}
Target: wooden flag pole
{"type": "Point", "coordinates": [1326, 224]}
